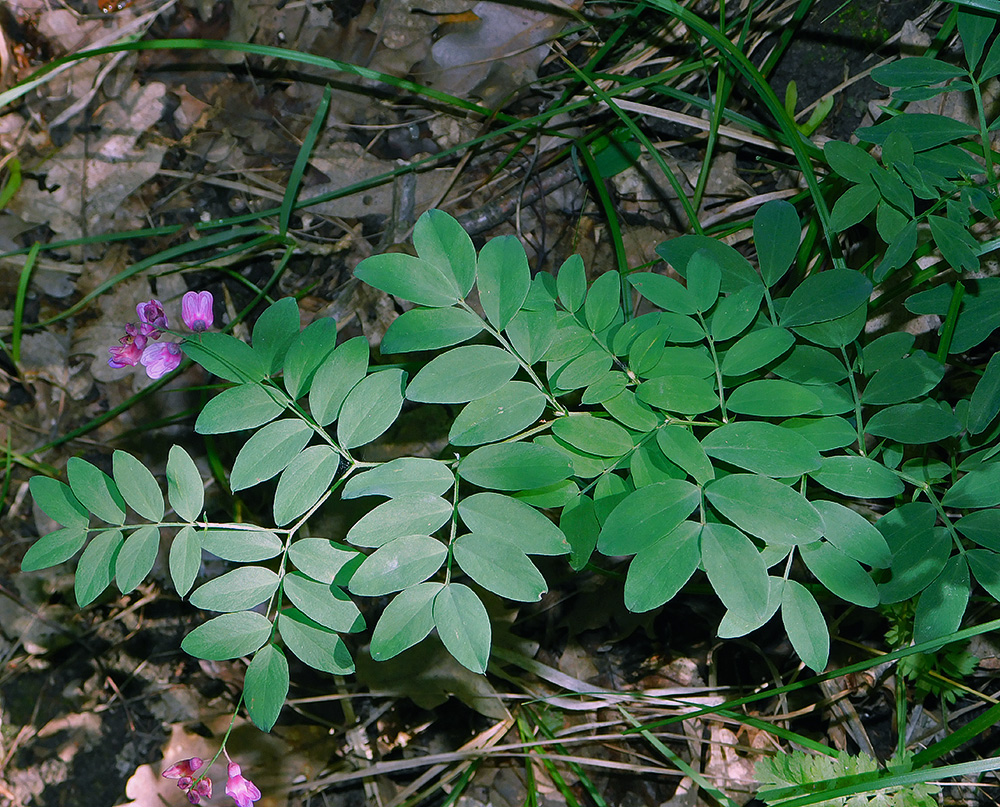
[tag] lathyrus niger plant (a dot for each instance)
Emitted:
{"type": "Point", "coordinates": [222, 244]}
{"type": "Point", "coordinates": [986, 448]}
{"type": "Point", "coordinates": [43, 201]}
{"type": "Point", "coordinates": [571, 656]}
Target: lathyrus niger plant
{"type": "Point", "coordinates": [736, 428]}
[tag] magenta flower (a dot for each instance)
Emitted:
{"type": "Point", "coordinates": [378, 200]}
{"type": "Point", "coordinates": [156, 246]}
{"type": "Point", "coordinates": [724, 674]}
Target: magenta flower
{"type": "Point", "coordinates": [161, 358]}
{"type": "Point", "coordinates": [185, 769]}
{"type": "Point", "coordinates": [202, 790]}
{"type": "Point", "coordinates": [243, 791]}
{"type": "Point", "coordinates": [129, 353]}
{"type": "Point", "coordinates": [152, 318]}
{"type": "Point", "coordinates": [196, 310]}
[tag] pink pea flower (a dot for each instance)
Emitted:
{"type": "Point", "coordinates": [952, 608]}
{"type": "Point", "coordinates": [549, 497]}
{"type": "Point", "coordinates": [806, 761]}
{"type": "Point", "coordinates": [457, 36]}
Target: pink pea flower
{"type": "Point", "coordinates": [185, 769]}
{"type": "Point", "coordinates": [196, 310]}
{"type": "Point", "coordinates": [129, 353]}
{"type": "Point", "coordinates": [243, 791]}
{"type": "Point", "coordinates": [161, 358]}
{"type": "Point", "coordinates": [153, 318]}
{"type": "Point", "coordinates": [202, 790]}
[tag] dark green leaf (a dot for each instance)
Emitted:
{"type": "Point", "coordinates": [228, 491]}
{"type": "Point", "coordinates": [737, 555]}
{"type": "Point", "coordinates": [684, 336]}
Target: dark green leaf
{"type": "Point", "coordinates": [599, 436]}
{"type": "Point", "coordinates": [811, 365]}
{"type": "Point", "coordinates": [522, 525]}
{"type": "Point", "coordinates": [773, 512]}
{"type": "Point", "coordinates": [400, 477]}
{"type": "Point", "coordinates": [414, 514]}
{"type": "Point", "coordinates": [274, 331]}
{"type": "Point", "coordinates": [682, 448]}
{"type": "Point", "coordinates": [265, 686]}
{"type": "Point", "coordinates": [683, 394]}
{"type": "Point", "coordinates": [336, 377]}
{"type": "Point", "coordinates": [664, 292]}
{"type": "Point", "coordinates": [238, 590]}
{"type": "Point", "coordinates": [604, 301]}
{"type": "Point", "coordinates": [957, 245]}
{"type": "Point", "coordinates": [942, 604]}
{"type": "Point", "coordinates": [320, 648]}
{"type": "Point", "coordinates": [307, 353]}
{"type": "Point", "coordinates": [805, 625]}
{"type": "Point", "coordinates": [858, 476]}
{"type": "Point", "coordinates": [825, 296]}
{"type": "Point", "coordinates": [228, 636]}
{"type": "Point", "coordinates": [321, 558]}
{"type": "Point", "coordinates": [226, 356]}
{"type": "Point", "coordinates": [646, 515]}
{"type": "Point", "coordinates": [370, 408]}
{"type": "Point", "coordinates": [241, 546]}
{"type": "Point", "coordinates": [137, 486]}
{"type": "Point", "coordinates": [571, 282]}
{"type": "Point", "coordinates": [499, 566]}
{"type": "Point", "coordinates": [762, 448]}
{"type": "Point", "coordinates": [185, 559]}
{"type": "Point", "coordinates": [985, 566]}
{"type": "Point", "coordinates": [96, 491]}
{"type": "Point", "coordinates": [903, 380]}
{"type": "Point", "coordinates": [658, 572]}
{"type": "Point", "coordinates": [736, 270]}
{"type": "Point", "coordinates": [978, 488]}
{"type": "Point", "coordinates": [735, 570]}
{"type": "Point", "coordinates": [514, 466]}
{"type": "Point", "coordinates": [325, 604]}
{"type": "Point", "coordinates": [463, 374]}
{"type": "Point", "coordinates": [853, 206]}
{"type": "Point", "coordinates": [97, 566]}
{"type": "Point", "coordinates": [268, 452]}
{"type": "Point", "coordinates": [850, 161]}
{"type": "Point", "coordinates": [57, 501]}
{"type": "Point", "coordinates": [735, 313]}
{"type": "Point", "coordinates": [592, 365]}
{"type": "Point", "coordinates": [975, 29]}
{"type": "Point", "coordinates": [604, 389]}
{"type": "Point", "coordinates": [398, 564]}
{"type": "Point", "coordinates": [136, 557]}
{"type": "Point", "coordinates": [579, 523]}
{"type": "Point", "coordinates": [915, 71]}
{"type": "Point", "coordinates": [919, 549]}
{"type": "Point", "coordinates": [504, 279]}
{"type": "Point", "coordinates": [737, 623]}
{"type": "Point", "coordinates": [755, 350]}
{"type": "Point", "coordinates": [925, 130]}
{"type": "Point", "coordinates": [771, 397]}
{"type": "Point", "coordinates": [840, 574]}
{"type": "Point", "coordinates": [983, 407]}
{"type": "Point", "coordinates": [825, 433]}
{"type": "Point", "coordinates": [54, 548]}
{"type": "Point", "coordinates": [776, 233]}
{"type": "Point", "coordinates": [627, 409]}
{"type": "Point", "coordinates": [303, 482]}
{"type": "Point", "coordinates": [531, 333]}
{"type": "Point", "coordinates": [704, 278]}
{"type": "Point", "coordinates": [245, 406]}
{"type": "Point", "coordinates": [405, 621]}
{"type": "Point", "coordinates": [463, 625]}
{"type": "Point", "coordinates": [440, 240]}
{"type": "Point", "coordinates": [410, 278]}
{"type": "Point", "coordinates": [914, 423]}
{"type": "Point", "coordinates": [429, 329]}
{"type": "Point", "coordinates": [853, 534]}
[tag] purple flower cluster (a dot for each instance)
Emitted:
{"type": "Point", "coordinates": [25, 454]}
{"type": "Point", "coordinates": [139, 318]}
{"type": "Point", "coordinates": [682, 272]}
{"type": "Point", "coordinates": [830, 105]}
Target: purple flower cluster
{"type": "Point", "coordinates": [159, 358]}
{"type": "Point", "coordinates": [242, 790]}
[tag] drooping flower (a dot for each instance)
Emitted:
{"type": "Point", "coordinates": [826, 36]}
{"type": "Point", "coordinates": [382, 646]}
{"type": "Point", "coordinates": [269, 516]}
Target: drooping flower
{"type": "Point", "coordinates": [185, 769]}
{"type": "Point", "coordinates": [152, 317]}
{"type": "Point", "coordinates": [129, 353]}
{"type": "Point", "coordinates": [161, 358]}
{"type": "Point", "coordinates": [196, 310]}
{"type": "Point", "coordinates": [243, 791]}
{"type": "Point", "coordinates": [202, 790]}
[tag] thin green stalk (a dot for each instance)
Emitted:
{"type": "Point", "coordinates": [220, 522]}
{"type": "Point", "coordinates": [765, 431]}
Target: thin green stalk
{"type": "Point", "coordinates": [22, 293]}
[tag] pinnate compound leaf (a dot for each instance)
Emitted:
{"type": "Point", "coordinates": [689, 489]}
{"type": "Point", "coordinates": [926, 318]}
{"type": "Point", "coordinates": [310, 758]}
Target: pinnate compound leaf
{"type": "Point", "coordinates": [274, 331]}
{"type": "Point", "coordinates": [599, 436]}
{"type": "Point", "coordinates": [978, 488]}
{"type": "Point", "coordinates": [504, 279]}
{"type": "Point", "coordinates": [135, 558]}
{"type": "Point", "coordinates": [861, 477]}
{"type": "Point", "coordinates": [462, 374]}
{"type": "Point", "coordinates": [96, 491]}
{"type": "Point", "coordinates": [303, 482]}
{"type": "Point", "coordinates": [499, 566]}
{"type": "Point", "coordinates": [268, 452]}
{"type": "Point", "coordinates": [603, 301]}
{"type": "Point", "coordinates": [307, 353]}
{"type": "Point", "coordinates": [658, 572]}
{"type": "Point", "coordinates": [776, 233]}
{"type": "Point", "coordinates": [185, 559]}
{"type": "Point", "coordinates": [440, 240]}
{"type": "Point", "coordinates": [54, 548]}
{"type": "Point", "coordinates": [320, 648]}
{"type": "Point", "coordinates": [226, 356]}
{"type": "Point", "coordinates": [515, 466]}
{"type": "Point", "coordinates": [401, 477]}
{"type": "Point", "coordinates": [519, 523]}
{"type": "Point", "coordinates": [765, 508]}
{"type": "Point", "coordinates": [265, 686]}
{"type": "Point", "coordinates": [245, 406]}
{"type": "Point", "coordinates": [370, 408]}
{"type": "Point", "coordinates": [840, 574]}
{"type": "Point", "coordinates": [853, 534]}
{"type": "Point", "coordinates": [501, 414]}
{"type": "Point", "coordinates": [805, 625]}
{"type": "Point", "coordinates": [682, 448]}
{"type": "Point", "coordinates": [463, 625]}
{"type": "Point", "coordinates": [825, 296]}
{"type": "Point", "coordinates": [322, 559]}
{"type": "Point", "coordinates": [942, 604]}
{"type": "Point", "coordinates": [762, 448]}
{"type": "Point", "coordinates": [410, 278]}
{"type": "Point", "coordinates": [405, 621]}
{"type": "Point", "coordinates": [735, 569]}
{"type": "Point", "coordinates": [184, 486]}
{"type": "Point", "coordinates": [228, 636]}
{"type": "Point", "coordinates": [240, 546]}
{"type": "Point", "coordinates": [58, 502]}
{"type": "Point", "coordinates": [429, 329]}
{"type": "Point", "coordinates": [137, 486]}
{"type": "Point", "coordinates": [914, 423]}
{"type": "Point", "coordinates": [646, 515]}
{"type": "Point", "coordinates": [399, 564]}
{"type": "Point", "coordinates": [96, 566]}
{"type": "Point", "coordinates": [571, 283]}
{"type": "Point", "coordinates": [238, 590]}
{"type": "Point", "coordinates": [325, 604]}
{"type": "Point", "coordinates": [412, 514]}
{"type": "Point", "coordinates": [983, 407]}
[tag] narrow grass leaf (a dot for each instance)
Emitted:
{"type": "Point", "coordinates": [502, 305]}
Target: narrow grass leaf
{"type": "Point", "coordinates": [295, 182]}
